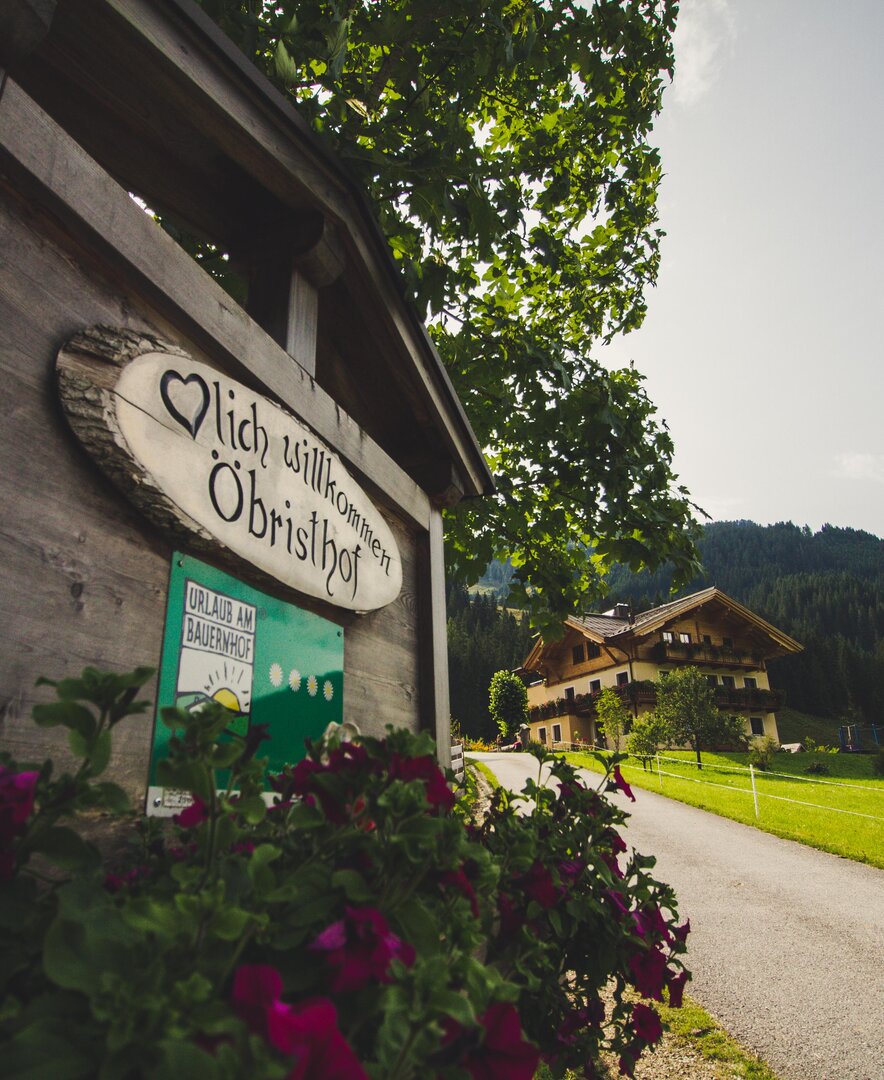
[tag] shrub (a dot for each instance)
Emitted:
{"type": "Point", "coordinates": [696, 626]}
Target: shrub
{"type": "Point", "coordinates": [761, 750]}
{"type": "Point", "coordinates": [817, 768]}
{"type": "Point", "coordinates": [507, 702]}
{"type": "Point", "coordinates": [357, 927]}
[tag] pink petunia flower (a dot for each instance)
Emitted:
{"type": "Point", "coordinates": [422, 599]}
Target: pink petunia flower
{"type": "Point", "coordinates": [646, 1023]}
{"type": "Point", "coordinates": [360, 948]}
{"type": "Point", "coordinates": [439, 794]}
{"type": "Point", "coordinates": [192, 815]}
{"type": "Point", "coordinates": [649, 973]}
{"type": "Point", "coordinates": [621, 783]}
{"type": "Point", "coordinates": [504, 1054]}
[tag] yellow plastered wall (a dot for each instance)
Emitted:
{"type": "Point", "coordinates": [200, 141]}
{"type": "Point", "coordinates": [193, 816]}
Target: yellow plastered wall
{"type": "Point", "coordinates": [571, 729]}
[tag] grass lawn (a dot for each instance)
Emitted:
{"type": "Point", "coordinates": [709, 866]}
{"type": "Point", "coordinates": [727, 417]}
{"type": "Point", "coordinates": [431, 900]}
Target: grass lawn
{"type": "Point", "coordinates": [842, 813]}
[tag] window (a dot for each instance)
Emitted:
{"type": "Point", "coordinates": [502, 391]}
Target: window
{"type": "Point", "coordinates": [685, 639]}
{"type": "Point", "coordinates": [557, 732]}
{"type": "Point", "coordinates": [707, 640]}
{"type": "Point", "coordinates": [541, 735]}
{"type": "Point", "coordinates": [668, 637]}
{"type": "Point", "coordinates": [595, 686]}
{"type": "Point", "coordinates": [728, 681]}
{"type": "Point", "coordinates": [727, 642]}
{"type": "Point", "coordinates": [712, 680]}
{"type": "Point", "coordinates": [569, 693]}
{"type": "Point", "coordinates": [757, 725]}
{"type": "Point", "coordinates": [577, 654]}
{"type": "Point", "coordinates": [750, 683]}
{"type": "Point", "coordinates": [622, 678]}
{"type": "Point", "coordinates": [592, 650]}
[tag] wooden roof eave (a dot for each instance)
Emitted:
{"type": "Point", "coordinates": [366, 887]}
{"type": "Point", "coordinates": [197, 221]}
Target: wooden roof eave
{"type": "Point", "coordinates": [265, 137]}
{"type": "Point", "coordinates": [698, 600]}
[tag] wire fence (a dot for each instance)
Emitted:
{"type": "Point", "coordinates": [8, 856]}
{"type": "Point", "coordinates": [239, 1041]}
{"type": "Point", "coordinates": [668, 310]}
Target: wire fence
{"type": "Point", "coordinates": [750, 775]}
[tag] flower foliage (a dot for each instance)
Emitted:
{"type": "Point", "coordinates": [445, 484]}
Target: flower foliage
{"type": "Point", "coordinates": [360, 926]}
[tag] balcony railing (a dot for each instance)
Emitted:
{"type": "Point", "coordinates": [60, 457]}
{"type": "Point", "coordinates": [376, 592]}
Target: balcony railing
{"type": "Point", "coordinates": [694, 653]}
{"type": "Point", "coordinates": [644, 692]}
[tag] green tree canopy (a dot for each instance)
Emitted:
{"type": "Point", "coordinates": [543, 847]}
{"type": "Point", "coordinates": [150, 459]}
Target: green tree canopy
{"type": "Point", "coordinates": [508, 702]}
{"type": "Point", "coordinates": [686, 705]}
{"type": "Point", "coordinates": [613, 716]}
{"type": "Point", "coordinates": [647, 734]}
{"type": "Point", "coordinates": [505, 146]}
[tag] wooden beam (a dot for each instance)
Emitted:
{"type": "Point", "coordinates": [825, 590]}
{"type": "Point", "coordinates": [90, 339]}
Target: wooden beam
{"type": "Point", "coordinates": [56, 172]}
{"type": "Point", "coordinates": [435, 708]}
{"type": "Point", "coordinates": [23, 25]}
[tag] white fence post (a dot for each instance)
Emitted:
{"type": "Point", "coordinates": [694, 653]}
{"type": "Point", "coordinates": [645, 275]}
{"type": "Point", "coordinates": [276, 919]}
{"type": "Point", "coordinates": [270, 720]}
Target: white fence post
{"type": "Point", "coordinates": [457, 762]}
{"type": "Point", "coordinates": [754, 792]}
{"type": "Point", "coordinates": [659, 774]}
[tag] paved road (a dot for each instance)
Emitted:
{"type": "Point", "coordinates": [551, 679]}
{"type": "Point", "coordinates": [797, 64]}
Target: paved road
{"type": "Point", "coordinates": [787, 943]}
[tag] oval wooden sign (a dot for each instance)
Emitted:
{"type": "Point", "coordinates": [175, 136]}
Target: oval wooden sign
{"type": "Point", "coordinates": [194, 449]}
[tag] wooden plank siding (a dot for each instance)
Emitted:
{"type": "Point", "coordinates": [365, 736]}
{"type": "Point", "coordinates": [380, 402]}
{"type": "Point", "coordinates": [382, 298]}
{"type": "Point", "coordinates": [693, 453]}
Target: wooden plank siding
{"type": "Point", "coordinates": [83, 577]}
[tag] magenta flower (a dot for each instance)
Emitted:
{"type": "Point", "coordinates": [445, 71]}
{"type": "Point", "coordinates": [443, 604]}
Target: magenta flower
{"type": "Point", "coordinates": [649, 921]}
{"type": "Point", "coordinates": [458, 879]}
{"type": "Point", "coordinates": [307, 1032]}
{"type": "Point", "coordinates": [504, 1053]}
{"type": "Point", "coordinates": [621, 783]}
{"type": "Point", "coordinates": [511, 919]}
{"type": "Point", "coordinates": [360, 948]}
{"type": "Point", "coordinates": [646, 1023]}
{"type": "Point", "coordinates": [676, 989]}
{"type": "Point", "coordinates": [193, 815]}
{"type": "Point", "coordinates": [538, 884]}
{"type": "Point", "coordinates": [616, 901]}
{"type": "Point", "coordinates": [649, 973]}
{"type": "Point", "coordinates": [17, 793]}
{"type": "Point", "coordinates": [680, 933]}
{"type": "Point", "coordinates": [256, 987]}
{"type": "Point", "coordinates": [439, 794]}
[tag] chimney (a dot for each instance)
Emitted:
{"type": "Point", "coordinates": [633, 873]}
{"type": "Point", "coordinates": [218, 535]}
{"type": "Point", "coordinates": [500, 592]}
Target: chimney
{"type": "Point", "coordinates": [622, 611]}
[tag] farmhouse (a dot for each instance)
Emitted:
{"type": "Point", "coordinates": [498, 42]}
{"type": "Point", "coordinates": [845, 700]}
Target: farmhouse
{"type": "Point", "coordinates": [729, 643]}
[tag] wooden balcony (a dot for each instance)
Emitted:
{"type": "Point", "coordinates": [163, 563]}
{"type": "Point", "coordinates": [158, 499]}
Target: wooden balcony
{"type": "Point", "coordinates": [675, 652]}
{"type": "Point", "coordinates": [727, 698]}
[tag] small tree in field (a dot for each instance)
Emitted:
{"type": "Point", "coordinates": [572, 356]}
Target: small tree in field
{"type": "Point", "coordinates": [508, 702]}
{"type": "Point", "coordinates": [649, 731]}
{"type": "Point", "coordinates": [686, 704]}
{"type": "Point", "coordinates": [612, 715]}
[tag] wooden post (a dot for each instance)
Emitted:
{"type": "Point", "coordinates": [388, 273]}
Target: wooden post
{"type": "Point", "coordinates": [288, 268]}
{"type": "Point", "coordinates": [434, 703]}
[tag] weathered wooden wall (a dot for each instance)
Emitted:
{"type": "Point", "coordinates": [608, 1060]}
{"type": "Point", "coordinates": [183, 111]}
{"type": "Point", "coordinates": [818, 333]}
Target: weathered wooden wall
{"type": "Point", "coordinates": [83, 577]}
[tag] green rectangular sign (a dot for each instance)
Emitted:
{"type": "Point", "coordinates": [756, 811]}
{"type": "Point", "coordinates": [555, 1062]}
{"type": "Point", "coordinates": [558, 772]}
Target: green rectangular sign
{"type": "Point", "coordinates": [267, 661]}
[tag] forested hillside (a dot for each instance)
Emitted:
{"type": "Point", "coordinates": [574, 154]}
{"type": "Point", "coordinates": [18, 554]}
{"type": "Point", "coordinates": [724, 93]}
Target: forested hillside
{"type": "Point", "coordinates": [826, 589]}
{"type": "Point", "coordinates": [482, 639]}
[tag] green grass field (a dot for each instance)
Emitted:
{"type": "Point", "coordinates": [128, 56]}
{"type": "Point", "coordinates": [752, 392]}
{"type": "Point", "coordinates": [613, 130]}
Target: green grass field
{"type": "Point", "coordinates": [844, 814]}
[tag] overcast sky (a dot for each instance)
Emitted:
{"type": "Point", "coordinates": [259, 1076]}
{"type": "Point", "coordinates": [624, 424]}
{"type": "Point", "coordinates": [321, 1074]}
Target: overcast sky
{"type": "Point", "coordinates": [763, 342]}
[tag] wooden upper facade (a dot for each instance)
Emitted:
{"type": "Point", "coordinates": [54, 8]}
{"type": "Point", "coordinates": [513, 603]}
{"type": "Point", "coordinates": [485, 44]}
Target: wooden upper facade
{"type": "Point", "coordinates": [729, 643]}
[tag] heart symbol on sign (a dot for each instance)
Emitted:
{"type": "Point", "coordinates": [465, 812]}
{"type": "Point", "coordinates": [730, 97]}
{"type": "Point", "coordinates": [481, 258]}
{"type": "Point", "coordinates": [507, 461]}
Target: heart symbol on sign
{"type": "Point", "coordinates": [186, 399]}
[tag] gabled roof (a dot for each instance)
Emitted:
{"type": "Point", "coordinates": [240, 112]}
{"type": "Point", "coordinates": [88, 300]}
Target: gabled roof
{"type": "Point", "coordinates": [618, 631]}
{"type": "Point", "coordinates": [656, 618]}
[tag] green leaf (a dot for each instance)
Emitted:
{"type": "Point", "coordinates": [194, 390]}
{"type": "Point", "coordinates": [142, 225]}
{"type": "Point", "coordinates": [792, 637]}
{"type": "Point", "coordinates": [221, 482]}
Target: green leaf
{"type": "Point", "coordinates": [100, 752]}
{"type": "Point", "coordinates": [69, 714]}
{"type": "Point", "coordinates": [67, 849]}
{"type": "Point", "coordinates": [353, 884]}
